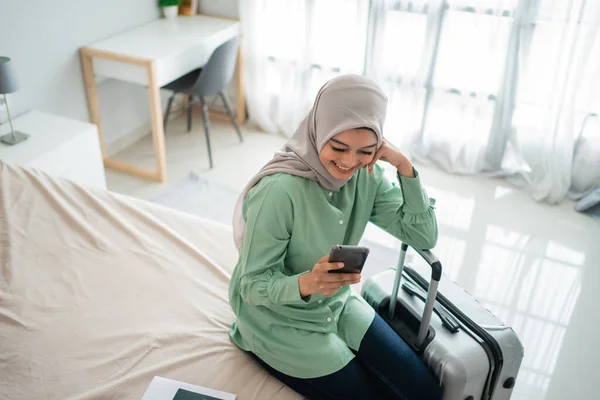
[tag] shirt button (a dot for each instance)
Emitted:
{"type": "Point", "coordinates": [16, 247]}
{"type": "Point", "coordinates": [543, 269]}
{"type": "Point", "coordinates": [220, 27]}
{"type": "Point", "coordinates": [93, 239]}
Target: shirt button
{"type": "Point", "coordinates": [341, 221]}
{"type": "Point", "coordinates": [320, 301]}
{"type": "Point", "coordinates": [330, 194]}
{"type": "Point", "coordinates": [328, 319]}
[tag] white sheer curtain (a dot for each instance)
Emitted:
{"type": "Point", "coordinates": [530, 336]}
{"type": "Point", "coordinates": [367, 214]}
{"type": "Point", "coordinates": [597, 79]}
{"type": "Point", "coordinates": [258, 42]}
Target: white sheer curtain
{"type": "Point", "coordinates": [501, 87]}
{"type": "Point", "coordinates": [442, 63]}
{"type": "Point", "coordinates": [291, 47]}
{"type": "Point", "coordinates": [557, 97]}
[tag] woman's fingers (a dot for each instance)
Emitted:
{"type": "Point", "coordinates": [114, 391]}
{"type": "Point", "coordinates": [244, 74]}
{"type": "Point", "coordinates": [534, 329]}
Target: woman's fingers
{"type": "Point", "coordinates": [337, 280]}
{"type": "Point", "coordinates": [327, 283]}
{"type": "Point", "coordinates": [332, 288]}
{"type": "Point", "coordinates": [327, 266]}
{"type": "Point", "coordinates": [343, 282]}
{"type": "Point", "coordinates": [323, 259]}
{"type": "Point", "coordinates": [340, 277]}
{"type": "Point", "coordinates": [376, 157]}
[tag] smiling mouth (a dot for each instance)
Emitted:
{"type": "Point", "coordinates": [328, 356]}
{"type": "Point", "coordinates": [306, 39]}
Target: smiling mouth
{"type": "Point", "coordinates": [343, 170]}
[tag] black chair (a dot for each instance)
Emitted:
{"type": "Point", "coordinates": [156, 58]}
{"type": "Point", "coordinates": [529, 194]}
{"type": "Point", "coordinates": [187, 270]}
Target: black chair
{"type": "Point", "coordinates": [210, 80]}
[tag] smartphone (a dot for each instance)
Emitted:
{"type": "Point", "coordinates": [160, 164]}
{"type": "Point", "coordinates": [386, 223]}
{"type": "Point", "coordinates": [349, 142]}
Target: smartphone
{"type": "Point", "coordinates": [353, 257]}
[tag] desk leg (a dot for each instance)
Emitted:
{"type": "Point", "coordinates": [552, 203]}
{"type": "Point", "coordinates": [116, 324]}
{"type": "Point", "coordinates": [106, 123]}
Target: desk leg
{"type": "Point", "coordinates": [158, 133]}
{"type": "Point", "coordinates": [241, 96]}
{"type": "Point", "coordinates": [158, 137]}
{"type": "Point", "coordinates": [92, 95]}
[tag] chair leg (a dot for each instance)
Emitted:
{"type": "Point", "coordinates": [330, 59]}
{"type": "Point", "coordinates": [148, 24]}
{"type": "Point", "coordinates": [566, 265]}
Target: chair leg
{"type": "Point", "coordinates": [189, 113]}
{"type": "Point", "coordinates": [167, 112]}
{"type": "Point", "coordinates": [230, 112]}
{"type": "Point", "coordinates": [206, 128]}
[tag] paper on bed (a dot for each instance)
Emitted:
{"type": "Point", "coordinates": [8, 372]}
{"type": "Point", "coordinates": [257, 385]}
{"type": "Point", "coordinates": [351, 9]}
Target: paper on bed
{"type": "Point", "coordinates": [165, 389]}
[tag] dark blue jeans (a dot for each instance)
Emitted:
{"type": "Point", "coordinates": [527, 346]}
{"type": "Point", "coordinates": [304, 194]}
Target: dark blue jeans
{"type": "Point", "coordinates": [385, 367]}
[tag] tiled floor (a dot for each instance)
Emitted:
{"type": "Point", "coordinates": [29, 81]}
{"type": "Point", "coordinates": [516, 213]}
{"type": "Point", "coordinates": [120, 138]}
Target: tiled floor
{"type": "Point", "coordinates": [536, 266]}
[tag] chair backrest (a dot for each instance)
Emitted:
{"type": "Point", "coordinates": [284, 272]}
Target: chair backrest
{"type": "Point", "coordinates": [218, 71]}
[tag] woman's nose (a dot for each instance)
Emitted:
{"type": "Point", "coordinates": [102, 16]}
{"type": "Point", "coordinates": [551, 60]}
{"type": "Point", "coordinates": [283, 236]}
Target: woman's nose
{"type": "Point", "coordinates": [348, 160]}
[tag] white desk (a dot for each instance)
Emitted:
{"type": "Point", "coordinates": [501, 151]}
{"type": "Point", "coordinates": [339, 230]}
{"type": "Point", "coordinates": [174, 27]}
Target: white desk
{"type": "Point", "coordinates": [153, 55]}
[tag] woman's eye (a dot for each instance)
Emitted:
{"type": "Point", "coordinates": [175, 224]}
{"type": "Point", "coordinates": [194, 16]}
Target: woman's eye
{"type": "Point", "coordinates": [368, 153]}
{"type": "Point", "coordinates": [338, 149]}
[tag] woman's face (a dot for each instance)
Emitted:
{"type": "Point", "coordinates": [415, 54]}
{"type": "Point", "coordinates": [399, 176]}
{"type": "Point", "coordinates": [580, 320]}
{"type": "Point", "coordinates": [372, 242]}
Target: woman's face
{"type": "Point", "coordinates": [348, 151]}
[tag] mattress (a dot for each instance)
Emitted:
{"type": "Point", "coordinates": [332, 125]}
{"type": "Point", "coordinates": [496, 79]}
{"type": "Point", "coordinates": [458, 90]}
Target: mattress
{"type": "Point", "coordinates": [100, 292]}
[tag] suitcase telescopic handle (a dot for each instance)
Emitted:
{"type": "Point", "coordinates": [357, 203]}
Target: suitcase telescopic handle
{"type": "Point", "coordinates": [436, 274]}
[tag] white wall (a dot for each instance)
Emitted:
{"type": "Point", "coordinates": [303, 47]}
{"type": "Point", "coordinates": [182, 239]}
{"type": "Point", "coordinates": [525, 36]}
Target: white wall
{"type": "Point", "coordinates": [43, 37]}
{"type": "Point", "coordinates": [221, 8]}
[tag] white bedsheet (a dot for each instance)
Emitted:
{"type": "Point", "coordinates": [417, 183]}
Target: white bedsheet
{"type": "Point", "coordinates": [100, 292]}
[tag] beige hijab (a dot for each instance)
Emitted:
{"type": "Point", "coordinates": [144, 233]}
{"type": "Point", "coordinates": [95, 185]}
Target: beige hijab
{"type": "Point", "coordinates": [345, 102]}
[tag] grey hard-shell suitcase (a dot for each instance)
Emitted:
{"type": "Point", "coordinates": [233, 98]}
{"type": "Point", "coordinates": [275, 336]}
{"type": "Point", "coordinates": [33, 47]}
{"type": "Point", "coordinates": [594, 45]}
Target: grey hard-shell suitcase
{"type": "Point", "coordinates": [472, 353]}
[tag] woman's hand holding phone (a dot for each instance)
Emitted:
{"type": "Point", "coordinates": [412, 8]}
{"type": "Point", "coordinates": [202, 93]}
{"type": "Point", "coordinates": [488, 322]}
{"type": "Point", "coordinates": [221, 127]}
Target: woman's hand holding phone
{"type": "Point", "coordinates": [320, 281]}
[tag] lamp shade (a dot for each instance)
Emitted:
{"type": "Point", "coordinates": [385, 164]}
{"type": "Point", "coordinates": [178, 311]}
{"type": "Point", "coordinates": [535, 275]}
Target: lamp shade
{"type": "Point", "coordinates": [8, 77]}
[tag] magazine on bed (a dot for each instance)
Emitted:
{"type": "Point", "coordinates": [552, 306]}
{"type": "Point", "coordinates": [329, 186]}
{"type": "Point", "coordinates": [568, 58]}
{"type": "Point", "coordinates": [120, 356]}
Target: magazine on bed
{"type": "Point", "coordinates": [168, 389]}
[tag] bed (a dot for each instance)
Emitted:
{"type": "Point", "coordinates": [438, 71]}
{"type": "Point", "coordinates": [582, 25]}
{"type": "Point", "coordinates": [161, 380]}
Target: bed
{"type": "Point", "coordinates": [100, 292]}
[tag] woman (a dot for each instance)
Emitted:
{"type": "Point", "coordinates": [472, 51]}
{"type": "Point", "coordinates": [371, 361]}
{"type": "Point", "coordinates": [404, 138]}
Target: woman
{"type": "Point", "coordinates": [303, 324]}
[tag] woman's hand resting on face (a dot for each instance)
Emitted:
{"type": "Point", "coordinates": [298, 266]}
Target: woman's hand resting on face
{"type": "Point", "coordinates": [387, 152]}
{"type": "Point", "coordinates": [320, 281]}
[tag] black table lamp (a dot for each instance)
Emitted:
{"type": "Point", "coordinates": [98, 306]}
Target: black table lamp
{"type": "Point", "coordinates": [8, 84]}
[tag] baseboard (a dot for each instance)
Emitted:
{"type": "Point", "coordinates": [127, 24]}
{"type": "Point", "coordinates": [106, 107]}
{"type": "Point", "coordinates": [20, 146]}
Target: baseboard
{"type": "Point", "coordinates": [129, 139]}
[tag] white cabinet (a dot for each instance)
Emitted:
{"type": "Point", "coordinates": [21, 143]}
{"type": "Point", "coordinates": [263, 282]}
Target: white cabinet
{"type": "Point", "coordinates": [57, 145]}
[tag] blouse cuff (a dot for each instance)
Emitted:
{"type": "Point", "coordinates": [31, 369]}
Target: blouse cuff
{"type": "Point", "coordinates": [420, 218]}
{"type": "Point", "coordinates": [288, 291]}
{"type": "Point", "coordinates": [416, 201]}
